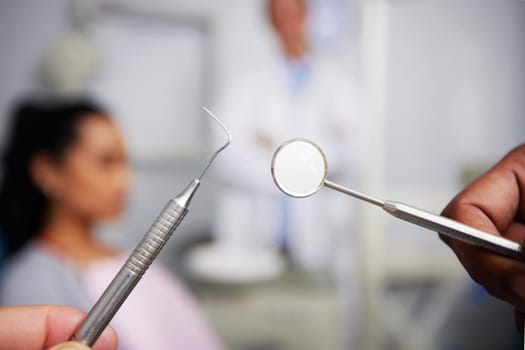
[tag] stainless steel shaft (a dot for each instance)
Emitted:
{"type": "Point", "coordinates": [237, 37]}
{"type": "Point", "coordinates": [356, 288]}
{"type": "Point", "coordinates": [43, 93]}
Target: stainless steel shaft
{"type": "Point", "coordinates": [454, 229]}
{"type": "Point", "coordinates": [138, 262]}
{"type": "Point", "coordinates": [440, 224]}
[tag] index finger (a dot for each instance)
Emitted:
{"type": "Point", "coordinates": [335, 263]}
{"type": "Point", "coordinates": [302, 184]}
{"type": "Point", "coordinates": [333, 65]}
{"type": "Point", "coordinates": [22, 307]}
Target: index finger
{"type": "Point", "coordinates": [494, 202]}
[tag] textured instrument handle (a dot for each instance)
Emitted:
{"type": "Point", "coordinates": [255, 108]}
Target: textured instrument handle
{"type": "Point", "coordinates": [138, 262]}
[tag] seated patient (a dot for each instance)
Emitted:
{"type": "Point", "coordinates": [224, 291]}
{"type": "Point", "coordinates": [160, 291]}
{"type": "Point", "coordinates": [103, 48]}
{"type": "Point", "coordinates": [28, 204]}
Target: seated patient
{"type": "Point", "coordinates": [65, 169]}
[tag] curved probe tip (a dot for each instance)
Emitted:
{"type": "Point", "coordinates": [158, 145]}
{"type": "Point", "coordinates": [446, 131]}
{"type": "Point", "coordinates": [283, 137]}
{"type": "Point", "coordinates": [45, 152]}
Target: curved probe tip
{"type": "Point", "coordinates": [214, 155]}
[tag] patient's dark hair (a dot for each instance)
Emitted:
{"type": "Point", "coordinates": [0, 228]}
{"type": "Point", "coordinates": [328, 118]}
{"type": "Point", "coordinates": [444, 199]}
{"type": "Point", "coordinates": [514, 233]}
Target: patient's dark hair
{"type": "Point", "coordinates": [37, 128]}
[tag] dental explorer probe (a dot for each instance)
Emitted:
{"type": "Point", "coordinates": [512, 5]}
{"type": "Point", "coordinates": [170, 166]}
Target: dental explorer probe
{"type": "Point", "coordinates": [144, 254]}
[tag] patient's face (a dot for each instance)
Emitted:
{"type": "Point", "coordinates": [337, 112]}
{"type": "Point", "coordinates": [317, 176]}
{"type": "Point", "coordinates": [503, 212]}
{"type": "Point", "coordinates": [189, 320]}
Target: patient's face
{"type": "Point", "coordinates": [94, 172]}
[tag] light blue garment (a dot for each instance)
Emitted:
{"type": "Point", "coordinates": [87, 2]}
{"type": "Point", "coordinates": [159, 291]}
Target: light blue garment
{"type": "Point", "coordinates": [36, 276]}
{"type": "Point", "coordinates": [298, 72]}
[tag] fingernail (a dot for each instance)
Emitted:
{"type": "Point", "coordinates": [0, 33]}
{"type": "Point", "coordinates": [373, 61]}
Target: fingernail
{"type": "Point", "coordinates": [70, 346]}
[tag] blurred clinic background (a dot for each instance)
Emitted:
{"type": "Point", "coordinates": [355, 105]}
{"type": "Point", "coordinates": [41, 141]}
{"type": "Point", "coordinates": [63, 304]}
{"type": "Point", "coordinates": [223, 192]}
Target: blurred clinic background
{"type": "Point", "coordinates": [411, 98]}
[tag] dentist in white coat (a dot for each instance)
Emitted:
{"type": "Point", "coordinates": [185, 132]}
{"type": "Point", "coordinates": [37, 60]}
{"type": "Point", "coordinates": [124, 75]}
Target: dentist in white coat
{"type": "Point", "coordinates": [298, 95]}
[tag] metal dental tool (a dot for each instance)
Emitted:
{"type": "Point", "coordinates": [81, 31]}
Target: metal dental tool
{"type": "Point", "coordinates": [299, 169]}
{"type": "Point", "coordinates": [138, 262]}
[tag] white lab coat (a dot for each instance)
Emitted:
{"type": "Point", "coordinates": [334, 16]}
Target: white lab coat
{"type": "Point", "coordinates": [260, 104]}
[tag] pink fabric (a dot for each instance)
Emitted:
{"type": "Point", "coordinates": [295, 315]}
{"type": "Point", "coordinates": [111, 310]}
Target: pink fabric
{"type": "Point", "coordinates": [159, 314]}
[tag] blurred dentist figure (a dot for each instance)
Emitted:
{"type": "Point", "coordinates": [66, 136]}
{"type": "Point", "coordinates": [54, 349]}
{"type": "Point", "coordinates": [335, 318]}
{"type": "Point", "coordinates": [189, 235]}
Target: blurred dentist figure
{"type": "Point", "coordinates": [298, 94]}
{"type": "Point", "coordinates": [65, 169]}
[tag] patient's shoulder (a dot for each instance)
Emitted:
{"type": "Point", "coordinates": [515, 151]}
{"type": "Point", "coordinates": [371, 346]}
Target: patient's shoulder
{"type": "Point", "coordinates": [33, 260]}
{"type": "Point", "coordinates": [36, 276]}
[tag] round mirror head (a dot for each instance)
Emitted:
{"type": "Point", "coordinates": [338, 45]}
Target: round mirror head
{"type": "Point", "coordinates": [299, 168]}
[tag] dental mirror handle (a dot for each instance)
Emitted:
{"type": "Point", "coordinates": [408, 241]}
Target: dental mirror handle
{"type": "Point", "coordinates": [440, 224]}
{"type": "Point", "coordinates": [455, 229]}
{"type": "Point", "coordinates": [138, 262]}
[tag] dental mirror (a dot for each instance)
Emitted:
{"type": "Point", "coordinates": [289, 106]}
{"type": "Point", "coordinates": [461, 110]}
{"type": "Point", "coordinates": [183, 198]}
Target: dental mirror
{"type": "Point", "coordinates": [299, 169]}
